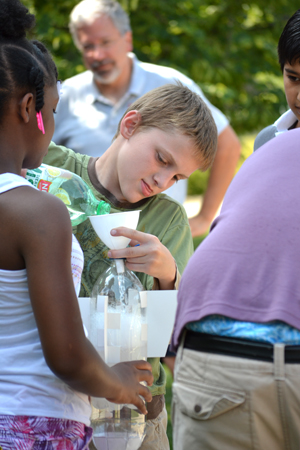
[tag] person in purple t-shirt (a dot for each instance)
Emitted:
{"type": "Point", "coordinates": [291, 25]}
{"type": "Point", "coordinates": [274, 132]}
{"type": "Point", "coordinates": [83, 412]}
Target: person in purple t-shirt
{"type": "Point", "coordinates": [237, 328]}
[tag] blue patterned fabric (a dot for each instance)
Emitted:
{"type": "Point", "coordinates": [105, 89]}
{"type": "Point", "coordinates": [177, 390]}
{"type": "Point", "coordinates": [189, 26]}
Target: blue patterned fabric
{"type": "Point", "coordinates": [274, 332]}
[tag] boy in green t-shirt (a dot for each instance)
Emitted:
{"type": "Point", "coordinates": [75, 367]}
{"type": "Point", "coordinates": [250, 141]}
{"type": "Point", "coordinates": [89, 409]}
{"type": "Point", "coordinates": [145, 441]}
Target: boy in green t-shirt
{"type": "Point", "coordinates": [164, 136]}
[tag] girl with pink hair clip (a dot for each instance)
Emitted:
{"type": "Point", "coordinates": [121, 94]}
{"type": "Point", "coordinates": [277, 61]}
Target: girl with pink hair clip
{"type": "Point", "coordinates": [48, 368]}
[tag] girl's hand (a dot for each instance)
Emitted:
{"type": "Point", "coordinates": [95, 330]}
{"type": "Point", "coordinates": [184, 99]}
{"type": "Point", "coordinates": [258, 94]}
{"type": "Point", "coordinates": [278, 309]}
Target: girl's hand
{"type": "Point", "coordinates": [129, 389]}
{"type": "Point", "coordinates": [146, 254]}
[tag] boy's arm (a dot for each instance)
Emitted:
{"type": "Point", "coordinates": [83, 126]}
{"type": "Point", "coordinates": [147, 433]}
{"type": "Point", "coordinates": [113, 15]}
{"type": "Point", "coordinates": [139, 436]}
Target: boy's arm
{"type": "Point", "coordinates": [65, 158]}
{"type": "Point", "coordinates": [221, 174]}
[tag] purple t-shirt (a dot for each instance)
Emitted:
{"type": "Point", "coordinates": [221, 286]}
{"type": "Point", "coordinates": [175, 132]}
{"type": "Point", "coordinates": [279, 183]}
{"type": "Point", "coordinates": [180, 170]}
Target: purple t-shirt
{"type": "Point", "coordinates": [248, 267]}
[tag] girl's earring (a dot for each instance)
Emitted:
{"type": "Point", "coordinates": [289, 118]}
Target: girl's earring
{"type": "Point", "coordinates": [40, 122]}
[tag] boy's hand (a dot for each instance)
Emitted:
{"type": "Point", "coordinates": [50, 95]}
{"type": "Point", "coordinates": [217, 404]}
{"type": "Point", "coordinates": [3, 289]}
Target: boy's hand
{"type": "Point", "coordinates": [150, 256]}
{"type": "Point", "coordinates": [129, 389]}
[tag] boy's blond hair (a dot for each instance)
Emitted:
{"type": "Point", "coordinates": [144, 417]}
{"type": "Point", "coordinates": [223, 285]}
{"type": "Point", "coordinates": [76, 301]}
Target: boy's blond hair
{"type": "Point", "coordinates": [174, 107]}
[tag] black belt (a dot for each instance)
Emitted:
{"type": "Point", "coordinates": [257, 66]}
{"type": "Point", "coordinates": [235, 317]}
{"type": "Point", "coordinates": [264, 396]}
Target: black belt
{"type": "Point", "coordinates": [240, 348]}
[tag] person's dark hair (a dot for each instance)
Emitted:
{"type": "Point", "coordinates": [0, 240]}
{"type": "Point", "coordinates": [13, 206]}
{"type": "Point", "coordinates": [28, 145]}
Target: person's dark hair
{"type": "Point", "coordinates": [25, 66]}
{"type": "Point", "coordinates": [289, 41]}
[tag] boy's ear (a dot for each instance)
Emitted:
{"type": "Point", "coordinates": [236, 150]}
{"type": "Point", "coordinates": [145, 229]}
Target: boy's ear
{"type": "Point", "coordinates": [130, 123]}
{"type": "Point", "coordinates": [25, 107]}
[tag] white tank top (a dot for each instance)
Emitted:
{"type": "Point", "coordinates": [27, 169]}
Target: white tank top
{"type": "Point", "coordinates": [27, 385]}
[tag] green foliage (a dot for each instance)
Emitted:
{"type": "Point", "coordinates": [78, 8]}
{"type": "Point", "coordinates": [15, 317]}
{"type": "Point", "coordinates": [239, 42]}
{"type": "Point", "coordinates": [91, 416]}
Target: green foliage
{"type": "Point", "coordinates": [228, 48]}
{"type": "Point", "coordinates": [197, 182]}
{"type": "Point", "coordinates": [198, 239]}
{"type": "Point", "coordinates": [247, 143]}
{"type": "Point", "coordinates": [168, 398]}
{"type": "Point", "coordinates": [52, 29]}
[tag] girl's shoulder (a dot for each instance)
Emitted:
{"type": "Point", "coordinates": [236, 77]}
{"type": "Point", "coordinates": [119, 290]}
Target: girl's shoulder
{"type": "Point", "coordinates": [29, 219]}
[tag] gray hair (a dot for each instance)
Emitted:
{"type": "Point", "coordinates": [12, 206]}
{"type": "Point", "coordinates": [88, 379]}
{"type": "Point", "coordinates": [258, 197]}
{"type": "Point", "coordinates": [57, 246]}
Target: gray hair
{"type": "Point", "coordinates": [87, 11]}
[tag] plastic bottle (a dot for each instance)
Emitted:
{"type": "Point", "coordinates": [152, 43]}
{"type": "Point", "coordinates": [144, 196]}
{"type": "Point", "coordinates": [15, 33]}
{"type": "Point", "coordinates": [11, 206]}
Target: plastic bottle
{"type": "Point", "coordinates": [118, 427]}
{"type": "Point", "coordinates": [71, 189]}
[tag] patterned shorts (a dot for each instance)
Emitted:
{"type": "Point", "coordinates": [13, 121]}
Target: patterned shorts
{"type": "Point", "coordinates": [43, 433]}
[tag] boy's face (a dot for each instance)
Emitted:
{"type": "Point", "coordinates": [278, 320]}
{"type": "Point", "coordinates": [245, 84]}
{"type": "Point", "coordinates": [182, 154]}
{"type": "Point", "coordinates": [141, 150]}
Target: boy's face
{"type": "Point", "coordinates": [291, 80]}
{"type": "Point", "coordinates": [151, 161]}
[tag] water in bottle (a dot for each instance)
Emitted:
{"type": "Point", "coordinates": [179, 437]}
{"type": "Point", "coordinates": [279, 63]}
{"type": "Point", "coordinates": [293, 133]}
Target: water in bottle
{"type": "Point", "coordinates": [118, 427]}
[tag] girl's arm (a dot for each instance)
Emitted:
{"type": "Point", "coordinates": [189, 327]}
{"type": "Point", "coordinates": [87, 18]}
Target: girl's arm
{"type": "Point", "coordinates": [45, 243]}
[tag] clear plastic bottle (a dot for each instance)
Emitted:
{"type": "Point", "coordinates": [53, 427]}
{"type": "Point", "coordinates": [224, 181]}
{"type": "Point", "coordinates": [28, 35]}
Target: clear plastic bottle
{"type": "Point", "coordinates": [118, 427]}
{"type": "Point", "coordinates": [71, 189]}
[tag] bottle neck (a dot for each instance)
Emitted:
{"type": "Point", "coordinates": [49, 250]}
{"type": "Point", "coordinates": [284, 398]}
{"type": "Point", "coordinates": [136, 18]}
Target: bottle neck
{"type": "Point", "coordinates": [102, 208]}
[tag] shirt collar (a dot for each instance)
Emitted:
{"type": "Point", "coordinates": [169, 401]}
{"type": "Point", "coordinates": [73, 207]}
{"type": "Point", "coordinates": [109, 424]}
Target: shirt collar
{"type": "Point", "coordinates": [285, 121]}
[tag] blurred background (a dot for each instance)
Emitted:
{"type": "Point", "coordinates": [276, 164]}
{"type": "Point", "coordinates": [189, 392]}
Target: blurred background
{"type": "Point", "coordinates": [228, 47]}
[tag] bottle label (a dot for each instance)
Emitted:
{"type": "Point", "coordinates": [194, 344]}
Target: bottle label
{"type": "Point", "coordinates": [39, 178]}
{"type": "Point", "coordinates": [34, 176]}
{"type": "Point", "coordinates": [44, 185]}
{"type": "Point", "coordinates": [46, 174]}
{"type": "Point", "coordinates": [43, 177]}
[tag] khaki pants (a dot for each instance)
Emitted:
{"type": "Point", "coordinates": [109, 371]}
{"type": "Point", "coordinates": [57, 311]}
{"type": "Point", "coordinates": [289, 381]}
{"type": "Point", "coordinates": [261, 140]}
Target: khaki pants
{"type": "Point", "coordinates": [156, 433]}
{"type": "Point", "coordinates": [227, 403]}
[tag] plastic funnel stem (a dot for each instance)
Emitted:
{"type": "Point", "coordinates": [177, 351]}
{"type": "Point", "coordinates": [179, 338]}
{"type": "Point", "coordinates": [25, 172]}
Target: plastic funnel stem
{"type": "Point", "coordinates": [120, 265]}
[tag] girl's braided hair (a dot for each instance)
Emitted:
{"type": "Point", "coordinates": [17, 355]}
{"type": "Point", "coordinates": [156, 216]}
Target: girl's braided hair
{"type": "Point", "coordinates": [25, 66]}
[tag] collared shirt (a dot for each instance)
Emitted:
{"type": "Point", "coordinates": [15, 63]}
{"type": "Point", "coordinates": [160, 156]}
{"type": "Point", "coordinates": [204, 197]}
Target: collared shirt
{"type": "Point", "coordinates": [285, 122]}
{"type": "Point", "coordinates": [86, 121]}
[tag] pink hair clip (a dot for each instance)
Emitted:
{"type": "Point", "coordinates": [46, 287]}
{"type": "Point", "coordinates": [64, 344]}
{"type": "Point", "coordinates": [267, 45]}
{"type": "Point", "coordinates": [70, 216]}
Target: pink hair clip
{"type": "Point", "coordinates": [40, 122]}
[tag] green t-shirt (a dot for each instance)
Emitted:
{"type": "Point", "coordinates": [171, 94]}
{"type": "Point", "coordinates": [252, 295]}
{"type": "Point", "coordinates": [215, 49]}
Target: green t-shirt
{"type": "Point", "coordinates": [160, 216]}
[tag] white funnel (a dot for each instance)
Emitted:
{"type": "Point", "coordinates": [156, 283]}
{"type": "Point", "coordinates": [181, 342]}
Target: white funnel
{"type": "Point", "coordinates": [105, 223]}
